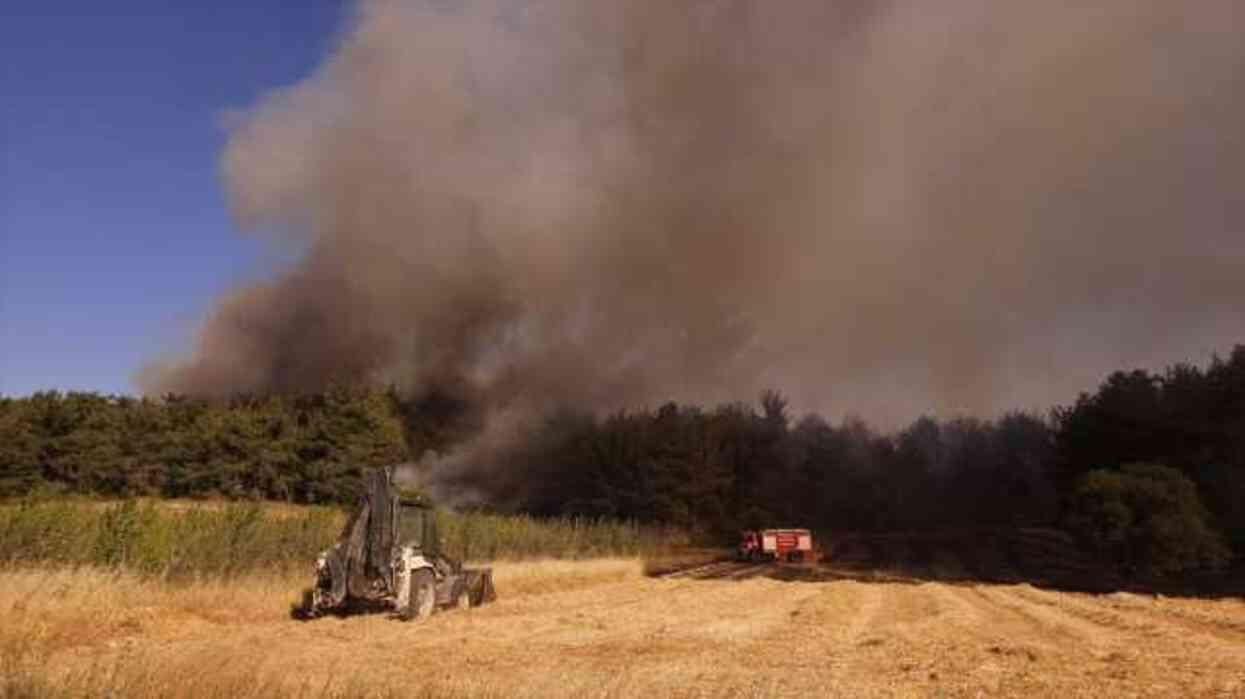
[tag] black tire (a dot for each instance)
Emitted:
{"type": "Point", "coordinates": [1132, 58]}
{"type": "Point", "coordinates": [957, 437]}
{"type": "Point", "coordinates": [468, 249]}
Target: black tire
{"type": "Point", "coordinates": [423, 596]}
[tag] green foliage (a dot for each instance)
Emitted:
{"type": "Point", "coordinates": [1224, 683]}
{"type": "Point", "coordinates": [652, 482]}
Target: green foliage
{"type": "Point", "coordinates": [180, 540]}
{"type": "Point", "coordinates": [19, 449]}
{"type": "Point", "coordinates": [163, 539]}
{"type": "Point", "coordinates": [1187, 417]}
{"type": "Point", "coordinates": [1145, 518]}
{"type": "Point", "coordinates": [489, 537]}
{"type": "Point", "coordinates": [307, 449]}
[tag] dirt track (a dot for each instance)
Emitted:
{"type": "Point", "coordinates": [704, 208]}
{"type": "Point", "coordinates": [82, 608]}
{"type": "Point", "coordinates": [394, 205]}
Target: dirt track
{"type": "Point", "coordinates": [733, 629]}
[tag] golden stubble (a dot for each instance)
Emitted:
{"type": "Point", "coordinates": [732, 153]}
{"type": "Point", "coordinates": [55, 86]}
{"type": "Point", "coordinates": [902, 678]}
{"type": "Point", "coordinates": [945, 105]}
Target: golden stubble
{"type": "Point", "coordinates": [601, 628]}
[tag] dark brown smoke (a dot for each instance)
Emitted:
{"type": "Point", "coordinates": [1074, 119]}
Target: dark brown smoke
{"type": "Point", "coordinates": [886, 207]}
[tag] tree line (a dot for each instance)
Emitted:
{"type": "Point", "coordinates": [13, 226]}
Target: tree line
{"type": "Point", "coordinates": [1144, 455]}
{"type": "Point", "coordinates": [737, 466]}
{"type": "Point", "coordinates": [305, 449]}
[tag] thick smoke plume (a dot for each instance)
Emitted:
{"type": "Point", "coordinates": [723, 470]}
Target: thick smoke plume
{"type": "Point", "coordinates": [886, 207]}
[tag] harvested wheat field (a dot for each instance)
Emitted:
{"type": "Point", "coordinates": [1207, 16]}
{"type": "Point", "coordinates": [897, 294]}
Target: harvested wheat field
{"type": "Point", "coordinates": [602, 629]}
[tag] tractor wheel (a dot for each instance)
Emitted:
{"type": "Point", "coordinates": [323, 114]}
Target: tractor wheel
{"type": "Point", "coordinates": [463, 600]}
{"type": "Point", "coordinates": [423, 596]}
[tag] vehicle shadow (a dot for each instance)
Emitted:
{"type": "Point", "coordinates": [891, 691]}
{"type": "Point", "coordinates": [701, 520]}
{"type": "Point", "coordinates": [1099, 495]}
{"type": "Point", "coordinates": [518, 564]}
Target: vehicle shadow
{"type": "Point", "coordinates": [1043, 558]}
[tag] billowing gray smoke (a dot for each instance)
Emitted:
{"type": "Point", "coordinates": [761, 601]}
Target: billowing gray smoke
{"type": "Point", "coordinates": [886, 207]}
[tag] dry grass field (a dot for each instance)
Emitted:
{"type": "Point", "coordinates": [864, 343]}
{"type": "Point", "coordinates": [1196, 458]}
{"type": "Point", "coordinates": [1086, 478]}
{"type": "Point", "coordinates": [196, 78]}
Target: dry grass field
{"type": "Point", "coordinates": [602, 628]}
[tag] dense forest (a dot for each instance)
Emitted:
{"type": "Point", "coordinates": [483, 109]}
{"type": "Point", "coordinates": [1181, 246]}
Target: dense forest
{"type": "Point", "coordinates": [1143, 456]}
{"type": "Point", "coordinates": [307, 449]}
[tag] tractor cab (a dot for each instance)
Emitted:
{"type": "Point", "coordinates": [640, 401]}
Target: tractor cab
{"type": "Point", "coordinates": [417, 526]}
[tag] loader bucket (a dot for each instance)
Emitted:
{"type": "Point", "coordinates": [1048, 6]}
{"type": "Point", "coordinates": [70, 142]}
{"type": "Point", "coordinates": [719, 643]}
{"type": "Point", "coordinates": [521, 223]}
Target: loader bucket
{"type": "Point", "coordinates": [480, 586]}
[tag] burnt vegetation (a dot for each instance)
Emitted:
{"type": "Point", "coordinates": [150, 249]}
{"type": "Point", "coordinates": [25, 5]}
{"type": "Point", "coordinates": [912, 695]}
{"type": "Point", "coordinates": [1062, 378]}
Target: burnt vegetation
{"type": "Point", "coordinates": [1147, 472]}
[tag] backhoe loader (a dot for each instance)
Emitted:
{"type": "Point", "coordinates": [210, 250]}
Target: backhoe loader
{"type": "Point", "coordinates": [388, 558]}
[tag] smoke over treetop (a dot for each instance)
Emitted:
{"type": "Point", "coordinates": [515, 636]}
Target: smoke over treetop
{"type": "Point", "coordinates": [877, 206]}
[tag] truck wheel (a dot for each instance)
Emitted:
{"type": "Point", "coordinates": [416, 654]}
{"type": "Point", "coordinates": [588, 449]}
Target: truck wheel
{"type": "Point", "coordinates": [423, 596]}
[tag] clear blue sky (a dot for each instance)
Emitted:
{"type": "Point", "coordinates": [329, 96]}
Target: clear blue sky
{"type": "Point", "coordinates": [114, 235]}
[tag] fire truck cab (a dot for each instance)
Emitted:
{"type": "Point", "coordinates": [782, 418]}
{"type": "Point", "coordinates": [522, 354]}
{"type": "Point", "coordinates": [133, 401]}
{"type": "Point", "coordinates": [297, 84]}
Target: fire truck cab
{"type": "Point", "coordinates": [789, 545]}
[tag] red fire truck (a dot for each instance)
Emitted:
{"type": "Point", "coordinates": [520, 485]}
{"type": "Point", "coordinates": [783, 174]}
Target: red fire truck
{"type": "Point", "coordinates": [791, 545]}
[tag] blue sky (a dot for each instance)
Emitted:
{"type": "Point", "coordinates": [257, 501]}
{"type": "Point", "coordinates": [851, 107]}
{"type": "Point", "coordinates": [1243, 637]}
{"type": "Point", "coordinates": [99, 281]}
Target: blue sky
{"type": "Point", "coordinates": [114, 236]}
